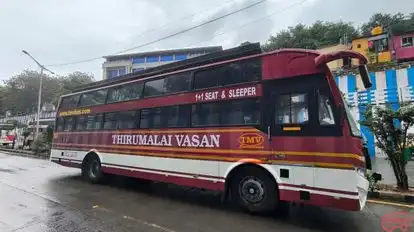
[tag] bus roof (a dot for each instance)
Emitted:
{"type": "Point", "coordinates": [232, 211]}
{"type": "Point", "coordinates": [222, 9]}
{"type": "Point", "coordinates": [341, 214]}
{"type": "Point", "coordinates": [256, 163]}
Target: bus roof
{"type": "Point", "coordinates": [245, 50]}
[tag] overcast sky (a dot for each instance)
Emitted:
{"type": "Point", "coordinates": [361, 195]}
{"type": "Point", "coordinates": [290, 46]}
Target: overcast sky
{"type": "Point", "coordinates": [57, 31]}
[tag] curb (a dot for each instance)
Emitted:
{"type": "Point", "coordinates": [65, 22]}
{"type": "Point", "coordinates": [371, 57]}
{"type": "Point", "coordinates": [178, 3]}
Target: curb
{"type": "Point", "coordinates": [23, 153]}
{"type": "Point", "coordinates": [392, 196]}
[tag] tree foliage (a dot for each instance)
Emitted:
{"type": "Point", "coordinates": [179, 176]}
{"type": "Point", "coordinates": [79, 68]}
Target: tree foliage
{"type": "Point", "coordinates": [323, 33]}
{"type": "Point", "coordinates": [317, 35]}
{"type": "Point", "coordinates": [19, 94]}
{"type": "Point", "coordinates": [390, 128]}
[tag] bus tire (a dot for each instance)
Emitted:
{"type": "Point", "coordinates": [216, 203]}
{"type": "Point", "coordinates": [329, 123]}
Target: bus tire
{"type": "Point", "coordinates": [254, 190]}
{"type": "Point", "coordinates": [91, 169]}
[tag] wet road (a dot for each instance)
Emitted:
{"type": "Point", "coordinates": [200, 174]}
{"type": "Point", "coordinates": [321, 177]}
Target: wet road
{"type": "Point", "coordinates": [36, 195]}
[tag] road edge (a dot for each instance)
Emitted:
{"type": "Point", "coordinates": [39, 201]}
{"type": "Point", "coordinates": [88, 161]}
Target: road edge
{"type": "Point", "coordinates": [24, 153]}
{"type": "Point", "coordinates": [392, 196]}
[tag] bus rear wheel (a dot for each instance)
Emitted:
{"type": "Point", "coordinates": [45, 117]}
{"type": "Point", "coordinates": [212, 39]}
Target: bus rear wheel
{"type": "Point", "coordinates": [91, 170]}
{"type": "Point", "coordinates": [254, 190]}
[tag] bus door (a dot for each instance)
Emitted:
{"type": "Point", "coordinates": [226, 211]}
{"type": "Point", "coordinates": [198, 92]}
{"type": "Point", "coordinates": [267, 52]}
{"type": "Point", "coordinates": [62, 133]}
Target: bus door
{"type": "Point", "coordinates": [300, 117]}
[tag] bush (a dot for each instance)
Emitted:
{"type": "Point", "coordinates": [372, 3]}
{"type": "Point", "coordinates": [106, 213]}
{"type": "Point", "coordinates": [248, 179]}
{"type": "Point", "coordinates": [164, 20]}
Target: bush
{"type": "Point", "coordinates": [41, 145]}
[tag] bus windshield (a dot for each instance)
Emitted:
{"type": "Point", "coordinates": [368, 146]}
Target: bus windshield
{"type": "Point", "coordinates": [352, 123]}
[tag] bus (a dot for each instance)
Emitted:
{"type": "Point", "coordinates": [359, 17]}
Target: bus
{"type": "Point", "coordinates": [263, 128]}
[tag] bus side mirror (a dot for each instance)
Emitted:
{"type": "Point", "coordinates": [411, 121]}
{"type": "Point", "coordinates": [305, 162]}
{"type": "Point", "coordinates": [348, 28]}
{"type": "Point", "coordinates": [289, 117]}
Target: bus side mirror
{"type": "Point", "coordinates": [366, 80]}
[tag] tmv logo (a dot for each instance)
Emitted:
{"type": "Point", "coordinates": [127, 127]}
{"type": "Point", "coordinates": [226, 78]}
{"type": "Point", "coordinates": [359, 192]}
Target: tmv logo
{"type": "Point", "coordinates": [251, 140]}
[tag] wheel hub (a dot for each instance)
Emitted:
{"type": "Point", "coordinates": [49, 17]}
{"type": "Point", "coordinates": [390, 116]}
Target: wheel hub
{"type": "Point", "coordinates": [252, 190]}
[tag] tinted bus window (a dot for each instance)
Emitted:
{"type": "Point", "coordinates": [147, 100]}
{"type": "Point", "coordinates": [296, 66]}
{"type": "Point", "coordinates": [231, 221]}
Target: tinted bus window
{"type": "Point", "coordinates": [125, 92]}
{"type": "Point", "coordinates": [60, 122]}
{"type": "Point", "coordinates": [81, 122]}
{"type": "Point", "coordinates": [207, 78]}
{"type": "Point", "coordinates": [205, 114]}
{"type": "Point", "coordinates": [292, 109]}
{"type": "Point", "coordinates": [151, 118]}
{"type": "Point", "coordinates": [177, 83]}
{"type": "Point", "coordinates": [69, 102]}
{"type": "Point", "coordinates": [241, 72]}
{"type": "Point", "coordinates": [110, 121]}
{"type": "Point", "coordinates": [177, 116]}
{"type": "Point", "coordinates": [154, 88]}
{"type": "Point", "coordinates": [128, 119]}
{"type": "Point", "coordinates": [241, 112]}
{"type": "Point", "coordinates": [68, 124]}
{"type": "Point", "coordinates": [93, 98]}
{"type": "Point", "coordinates": [93, 122]}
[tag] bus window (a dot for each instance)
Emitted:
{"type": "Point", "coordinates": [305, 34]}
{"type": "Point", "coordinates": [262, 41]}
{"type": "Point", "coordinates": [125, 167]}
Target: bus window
{"type": "Point", "coordinates": [68, 124]}
{"type": "Point", "coordinates": [241, 112]}
{"type": "Point", "coordinates": [154, 88]}
{"type": "Point", "coordinates": [93, 98]}
{"type": "Point", "coordinates": [81, 123]}
{"type": "Point", "coordinates": [150, 118]}
{"type": "Point", "coordinates": [241, 72]}
{"type": "Point", "coordinates": [177, 83]}
{"type": "Point", "coordinates": [206, 114]}
{"type": "Point", "coordinates": [93, 122]}
{"type": "Point", "coordinates": [326, 116]}
{"type": "Point", "coordinates": [128, 119]}
{"type": "Point", "coordinates": [110, 121]}
{"type": "Point", "coordinates": [60, 124]}
{"type": "Point", "coordinates": [207, 78]}
{"type": "Point", "coordinates": [177, 116]}
{"type": "Point", "coordinates": [292, 109]}
{"type": "Point", "coordinates": [125, 92]}
{"type": "Point", "coordinates": [69, 102]}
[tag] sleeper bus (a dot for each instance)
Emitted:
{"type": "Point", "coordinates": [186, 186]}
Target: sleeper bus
{"type": "Point", "coordinates": [264, 128]}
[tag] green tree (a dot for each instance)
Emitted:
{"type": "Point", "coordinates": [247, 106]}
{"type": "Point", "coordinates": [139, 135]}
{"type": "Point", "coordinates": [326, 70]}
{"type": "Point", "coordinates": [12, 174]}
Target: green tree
{"type": "Point", "coordinates": [19, 94]}
{"type": "Point", "coordinates": [315, 36]}
{"type": "Point", "coordinates": [390, 128]}
{"type": "Point", "coordinates": [380, 19]}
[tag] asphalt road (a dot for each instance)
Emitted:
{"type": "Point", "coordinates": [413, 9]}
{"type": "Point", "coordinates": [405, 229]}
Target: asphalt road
{"type": "Point", "coordinates": [36, 195]}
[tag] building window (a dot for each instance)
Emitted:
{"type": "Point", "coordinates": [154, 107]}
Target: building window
{"type": "Point", "coordinates": [111, 73]}
{"type": "Point", "coordinates": [138, 60]}
{"type": "Point", "coordinates": [407, 41]}
{"type": "Point", "coordinates": [180, 56]}
{"type": "Point", "coordinates": [358, 45]}
{"type": "Point", "coordinates": [377, 46]}
{"type": "Point", "coordinates": [167, 58]}
{"type": "Point", "coordinates": [138, 69]}
{"type": "Point", "coordinates": [152, 59]}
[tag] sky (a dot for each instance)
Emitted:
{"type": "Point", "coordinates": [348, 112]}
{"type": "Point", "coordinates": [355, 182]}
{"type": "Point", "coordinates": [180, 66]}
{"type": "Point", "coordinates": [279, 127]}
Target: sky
{"type": "Point", "coordinates": [58, 31]}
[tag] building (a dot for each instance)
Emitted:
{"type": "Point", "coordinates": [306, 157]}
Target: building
{"type": "Point", "coordinates": [119, 65]}
{"type": "Point", "coordinates": [402, 46]}
{"type": "Point", "coordinates": [375, 46]}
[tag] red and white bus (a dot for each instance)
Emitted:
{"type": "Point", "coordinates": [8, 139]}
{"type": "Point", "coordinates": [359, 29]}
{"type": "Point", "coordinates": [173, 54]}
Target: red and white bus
{"type": "Point", "coordinates": [264, 128]}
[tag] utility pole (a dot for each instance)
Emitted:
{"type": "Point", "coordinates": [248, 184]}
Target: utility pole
{"type": "Point", "coordinates": [39, 97]}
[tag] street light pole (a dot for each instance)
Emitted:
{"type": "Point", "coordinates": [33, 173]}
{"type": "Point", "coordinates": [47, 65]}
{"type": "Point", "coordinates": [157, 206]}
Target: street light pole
{"type": "Point", "coordinates": [39, 98]}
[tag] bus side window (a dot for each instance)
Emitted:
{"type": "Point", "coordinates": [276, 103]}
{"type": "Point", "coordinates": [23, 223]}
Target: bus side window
{"type": "Point", "coordinates": [150, 118]}
{"type": "Point", "coordinates": [325, 110]}
{"type": "Point", "coordinates": [68, 124]}
{"type": "Point", "coordinates": [110, 121]}
{"type": "Point", "coordinates": [292, 109]}
{"type": "Point", "coordinates": [206, 114]}
{"type": "Point", "coordinates": [127, 119]}
{"type": "Point", "coordinates": [60, 124]}
{"type": "Point", "coordinates": [93, 122]}
{"type": "Point", "coordinates": [81, 123]}
{"type": "Point", "coordinates": [241, 112]}
{"type": "Point", "coordinates": [177, 116]}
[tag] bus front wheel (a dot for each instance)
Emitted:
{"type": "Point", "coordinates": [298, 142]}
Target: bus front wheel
{"type": "Point", "coordinates": [254, 190]}
{"type": "Point", "coordinates": [91, 169]}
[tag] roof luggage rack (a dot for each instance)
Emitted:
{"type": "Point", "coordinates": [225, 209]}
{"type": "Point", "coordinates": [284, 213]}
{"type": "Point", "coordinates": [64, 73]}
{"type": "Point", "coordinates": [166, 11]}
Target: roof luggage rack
{"type": "Point", "coordinates": [245, 50]}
